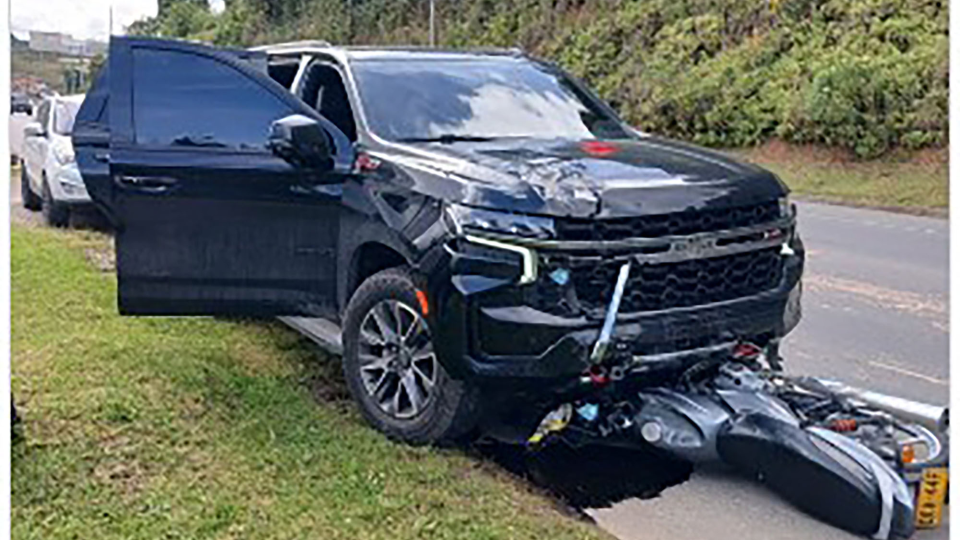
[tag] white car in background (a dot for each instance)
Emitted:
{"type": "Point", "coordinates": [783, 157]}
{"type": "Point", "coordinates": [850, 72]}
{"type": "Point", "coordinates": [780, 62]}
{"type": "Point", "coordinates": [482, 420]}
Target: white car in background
{"type": "Point", "coordinates": [49, 178]}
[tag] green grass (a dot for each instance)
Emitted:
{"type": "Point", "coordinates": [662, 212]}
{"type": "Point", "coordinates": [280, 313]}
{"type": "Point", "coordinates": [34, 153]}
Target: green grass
{"type": "Point", "coordinates": [202, 428]}
{"type": "Point", "coordinates": [912, 182]}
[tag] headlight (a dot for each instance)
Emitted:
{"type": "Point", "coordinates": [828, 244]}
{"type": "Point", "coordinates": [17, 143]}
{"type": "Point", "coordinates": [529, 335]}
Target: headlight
{"type": "Point", "coordinates": [469, 219]}
{"type": "Point", "coordinates": [528, 257]}
{"type": "Point", "coordinates": [73, 189]}
{"type": "Point", "coordinates": [64, 154]}
{"type": "Point", "coordinates": [786, 207]}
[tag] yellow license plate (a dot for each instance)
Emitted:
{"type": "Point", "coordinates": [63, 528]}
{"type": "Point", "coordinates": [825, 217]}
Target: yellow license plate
{"type": "Point", "coordinates": [930, 497]}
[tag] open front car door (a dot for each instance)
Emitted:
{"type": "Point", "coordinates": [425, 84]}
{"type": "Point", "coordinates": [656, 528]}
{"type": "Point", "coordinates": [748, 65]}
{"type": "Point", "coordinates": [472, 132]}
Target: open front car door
{"type": "Point", "coordinates": [224, 189]}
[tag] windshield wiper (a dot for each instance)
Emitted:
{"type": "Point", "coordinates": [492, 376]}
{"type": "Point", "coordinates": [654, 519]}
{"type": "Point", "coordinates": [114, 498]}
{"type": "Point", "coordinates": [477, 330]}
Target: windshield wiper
{"type": "Point", "coordinates": [448, 138]}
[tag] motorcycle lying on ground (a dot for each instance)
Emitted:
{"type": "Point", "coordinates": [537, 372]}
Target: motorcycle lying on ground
{"type": "Point", "coordinates": [872, 464]}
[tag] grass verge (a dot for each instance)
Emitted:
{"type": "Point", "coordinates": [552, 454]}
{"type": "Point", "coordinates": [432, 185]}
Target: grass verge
{"type": "Point", "coordinates": [203, 428]}
{"type": "Point", "coordinates": [915, 182]}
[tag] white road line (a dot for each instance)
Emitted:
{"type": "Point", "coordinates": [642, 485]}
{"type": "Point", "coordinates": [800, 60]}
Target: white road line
{"type": "Point", "coordinates": [907, 372]}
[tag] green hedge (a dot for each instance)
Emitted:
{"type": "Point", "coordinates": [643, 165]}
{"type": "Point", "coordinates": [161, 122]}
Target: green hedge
{"type": "Point", "coordinates": [868, 75]}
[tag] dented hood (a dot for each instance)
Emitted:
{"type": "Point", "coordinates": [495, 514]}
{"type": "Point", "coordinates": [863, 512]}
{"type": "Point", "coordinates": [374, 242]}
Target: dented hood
{"type": "Point", "coordinates": [618, 178]}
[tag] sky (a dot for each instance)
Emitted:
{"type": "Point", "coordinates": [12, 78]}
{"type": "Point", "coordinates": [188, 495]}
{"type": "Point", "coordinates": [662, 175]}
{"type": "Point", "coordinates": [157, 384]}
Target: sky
{"type": "Point", "coordinates": [83, 19]}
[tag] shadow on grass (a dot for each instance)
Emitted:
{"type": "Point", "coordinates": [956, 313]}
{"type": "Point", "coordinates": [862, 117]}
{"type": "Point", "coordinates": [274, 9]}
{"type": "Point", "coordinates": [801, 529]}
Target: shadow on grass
{"type": "Point", "coordinates": [89, 218]}
{"type": "Point", "coordinates": [576, 478]}
{"type": "Point", "coordinates": [16, 427]}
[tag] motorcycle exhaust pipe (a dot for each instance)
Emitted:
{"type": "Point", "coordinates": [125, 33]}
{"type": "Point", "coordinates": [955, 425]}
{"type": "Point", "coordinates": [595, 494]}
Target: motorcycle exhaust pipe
{"type": "Point", "coordinates": [930, 416]}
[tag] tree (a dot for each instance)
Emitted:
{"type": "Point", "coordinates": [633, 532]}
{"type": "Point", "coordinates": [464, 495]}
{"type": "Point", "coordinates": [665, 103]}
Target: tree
{"type": "Point", "coordinates": [177, 18]}
{"type": "Point", "coordinates": [163, 6]}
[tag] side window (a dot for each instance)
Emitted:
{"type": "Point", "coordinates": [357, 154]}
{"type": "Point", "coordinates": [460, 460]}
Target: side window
{"type": "Point", "coordinates": [43, 114]}
{"type": "Point", "coordinates": [186, 99]}
{"type": "Point", "coordinates": [95, 109]}
{"type": "Point", "coordinates": [283, 70]}
{"type": "Point", "coordinates": [322, 88]}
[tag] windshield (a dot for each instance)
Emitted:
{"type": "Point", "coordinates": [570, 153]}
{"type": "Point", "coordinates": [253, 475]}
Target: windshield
{"type": "Point", "coordinates": [63, 115]}
{"type": "Point", "coordinates": [477, 99]}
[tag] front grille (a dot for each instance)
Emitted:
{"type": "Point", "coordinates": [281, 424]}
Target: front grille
{"type": "Point", "coordinates": [676, 344]}
{"type": "Point", "coordinates": [653, 287]}
{"type": "Point", "coordinates": [679, 223]}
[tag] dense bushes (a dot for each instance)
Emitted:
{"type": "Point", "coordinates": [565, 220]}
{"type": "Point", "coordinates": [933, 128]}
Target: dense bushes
{"type": "Point", "coordinates": [868, 75]}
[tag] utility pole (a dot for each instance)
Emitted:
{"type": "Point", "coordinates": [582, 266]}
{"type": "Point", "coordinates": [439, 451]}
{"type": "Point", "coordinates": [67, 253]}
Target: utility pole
{"type": "Point", "coordinates": [433, 33]}
{"type": "Point", "coordinates": [111, 19]}
{"type": "Point", "coordinates": [349, 21]}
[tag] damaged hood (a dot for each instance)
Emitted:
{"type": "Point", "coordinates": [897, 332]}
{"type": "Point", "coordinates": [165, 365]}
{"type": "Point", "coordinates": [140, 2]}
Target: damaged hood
{"type": "Point", "coordinates": [616, 178]}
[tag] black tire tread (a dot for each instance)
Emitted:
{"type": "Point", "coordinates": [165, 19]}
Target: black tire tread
{"type": "Point", "coordinates": [452, 416]}
{"type": "Point", "coordinates": [28, 198]}
{"type": "Point", "coordinates": [56, 214]}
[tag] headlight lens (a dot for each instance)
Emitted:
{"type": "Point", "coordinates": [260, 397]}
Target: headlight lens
{"type": "Point", "coordinates": [470, 219]}
{"type": "Point", "coordinates": [73, 189]}
{"type": "Point", "coordinates": [64, 154]}
{"type": "Point", "coordinates": [786, 206]}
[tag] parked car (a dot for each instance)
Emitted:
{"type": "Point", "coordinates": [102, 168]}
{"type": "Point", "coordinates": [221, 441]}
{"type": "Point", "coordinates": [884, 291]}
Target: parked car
{"type": "Point", "coordinates": [20, 103]}
{"type": "Point", "coordinates": [491, 237]}
{"type": "Point", "coordinates": [49, 178]}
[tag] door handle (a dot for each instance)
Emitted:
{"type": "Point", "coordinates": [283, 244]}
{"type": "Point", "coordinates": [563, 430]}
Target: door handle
{"type": "Point", "coordinates": [101, 156]}
{"type": "Point", "coordinates": [149, 184]}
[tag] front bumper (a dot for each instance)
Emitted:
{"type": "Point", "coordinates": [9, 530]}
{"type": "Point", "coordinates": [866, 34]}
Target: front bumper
{"type": "Point", "coordinates": [487, 337]}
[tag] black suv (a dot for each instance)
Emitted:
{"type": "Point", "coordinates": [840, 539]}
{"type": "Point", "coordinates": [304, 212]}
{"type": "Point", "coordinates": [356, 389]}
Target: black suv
{"type": "Point", "coordinates": [491, 237]}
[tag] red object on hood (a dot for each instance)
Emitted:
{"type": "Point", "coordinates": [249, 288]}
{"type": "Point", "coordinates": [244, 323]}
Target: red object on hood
{"type": "Point", "coordinates": [599, 148]}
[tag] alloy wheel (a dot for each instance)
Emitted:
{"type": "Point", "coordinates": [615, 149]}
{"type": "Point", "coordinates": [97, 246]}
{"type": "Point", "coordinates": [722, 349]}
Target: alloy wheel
{"type": "Point", "coordinates": [398, 366]}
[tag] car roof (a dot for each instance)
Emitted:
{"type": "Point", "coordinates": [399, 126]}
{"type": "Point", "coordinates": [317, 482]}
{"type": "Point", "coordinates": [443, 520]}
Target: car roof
{"type": "Point", "coordinates": [369, 52]}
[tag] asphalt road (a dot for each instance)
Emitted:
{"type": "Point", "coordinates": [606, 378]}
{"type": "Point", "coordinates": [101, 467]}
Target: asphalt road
{"type": "Point", "coordinates": [875, 315]}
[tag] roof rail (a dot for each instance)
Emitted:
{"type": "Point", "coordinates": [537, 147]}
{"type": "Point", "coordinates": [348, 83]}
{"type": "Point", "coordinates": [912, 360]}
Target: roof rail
{"type": "Point", "coordinates": [293, 44]}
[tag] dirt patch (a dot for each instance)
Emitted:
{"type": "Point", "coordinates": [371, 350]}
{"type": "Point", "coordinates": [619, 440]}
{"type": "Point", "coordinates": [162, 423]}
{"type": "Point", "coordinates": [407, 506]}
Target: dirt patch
{"type": "Point", "coordinates": [124, 474]}
{"type": "Point", "coordinates": [592, 476]}
{"type": "Point", "coordinates": [22, 216]}
{"type": "Point", "coordinates": [103, 260]}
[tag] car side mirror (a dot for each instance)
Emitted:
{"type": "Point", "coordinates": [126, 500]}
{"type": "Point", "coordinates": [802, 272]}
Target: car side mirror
{"type": "Point", "coordinates": [33, 129]}
{"type": "Point", "coordinates": [301, 141]}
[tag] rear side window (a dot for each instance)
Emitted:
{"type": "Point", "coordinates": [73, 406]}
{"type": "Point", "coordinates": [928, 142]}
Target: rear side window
{"type": "Point", "coordinates": [64, 115]}
{"type": "Point", "coordinates": [189, 100]}
{"type": "Point", "coordinates": [94, 109]}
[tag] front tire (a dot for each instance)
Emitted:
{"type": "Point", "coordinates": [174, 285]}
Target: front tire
{"type": "Point", "coordinates": [27, 196]}
{"type": "Point", "coordinates": [56, 214]}
{"type": "Point", "coordinates": [392, 371]}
